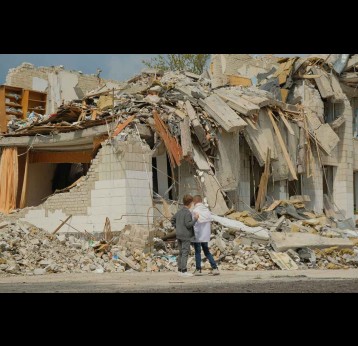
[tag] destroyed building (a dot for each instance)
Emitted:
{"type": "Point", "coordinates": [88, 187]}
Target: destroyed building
{"type": "Point", "coordinates": [289, 122]}
{"type": "Point", "coordinates": [269, 142]}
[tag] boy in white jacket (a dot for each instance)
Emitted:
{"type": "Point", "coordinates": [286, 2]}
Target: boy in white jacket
{"type": "Point", "coordinates": [202, 230]}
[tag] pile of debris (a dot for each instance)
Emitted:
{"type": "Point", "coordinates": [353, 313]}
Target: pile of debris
{"type": "Point", "coordinates": [27, 250]}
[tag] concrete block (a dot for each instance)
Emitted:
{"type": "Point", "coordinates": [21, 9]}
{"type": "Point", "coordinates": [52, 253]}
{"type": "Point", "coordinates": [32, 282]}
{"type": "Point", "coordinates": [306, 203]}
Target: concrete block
{"type": "Point", "coordinates": [100, 202]}
{"type": "Point", "coordinates": [110, 211]}
{"type": "Point", "coordinates": [138, 200]}
{"type": "Point", "coordinates": [139, 183]}
{"type": "Point", "coordinates": [110, 184]}
{"type": "Point", "coordinates": [115, 192]}
{"type": "Point", "coordinates": [39, 271]}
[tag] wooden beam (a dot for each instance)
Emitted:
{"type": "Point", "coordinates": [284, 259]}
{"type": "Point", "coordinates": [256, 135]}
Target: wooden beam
{"type": "Point", "coordinates": [282, 145]}
{"type": "Point", "coordinates": [286, 122]}
{"type": "Point", "coordinates": [301, 162]}
{"type": "Point", "coordinates": [274, 205]}
{"type": "Point", "coordinates": [251, 123]}
{"type": "Point", "coordinates": [284, 94]}
{"type": "Point", "coordinates": [120, 127]}
{"type": "Point", "coordinates": [61, 157]}
{"type": "Point", "coordinates": [261, 195]}
{"type": "Point", "coordinates": [24, 184]}
{"type": "Point", "coordinates": [174, 150]}
{"type": "Point", "coordinates": [62, 223]}
{"type": "Point", "coordinates": [239, 80]}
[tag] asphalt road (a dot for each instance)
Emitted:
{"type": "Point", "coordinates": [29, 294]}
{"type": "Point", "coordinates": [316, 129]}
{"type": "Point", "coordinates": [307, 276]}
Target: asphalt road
{"type": "Point", "coordinates": [308, 281]}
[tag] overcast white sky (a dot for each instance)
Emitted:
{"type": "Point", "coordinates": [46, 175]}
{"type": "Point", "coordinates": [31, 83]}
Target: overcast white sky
{"type": "Point", "coordinates": [113, 66]}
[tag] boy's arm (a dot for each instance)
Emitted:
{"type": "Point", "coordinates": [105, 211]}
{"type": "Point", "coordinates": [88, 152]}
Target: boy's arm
{"type": "Point", "coordinates": [189, 220]}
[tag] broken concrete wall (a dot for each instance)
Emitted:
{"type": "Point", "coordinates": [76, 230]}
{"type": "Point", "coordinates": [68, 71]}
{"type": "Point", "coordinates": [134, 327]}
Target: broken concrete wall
{"type": "Point", "coordinates": [227, 165]}
{"type": "Point", "coordinates": [58, 83]}
{"type": "Point", "coordinates": [278, 189]}
{"type": "Point", "coordinates": [343, 182]}
{"type": "Point", "coordinates": [313, 186]}
{"type": "Point", "coordinates": [310, 98]}
{"type": "Point", "coordinates": [313, 104]}
{"type": "Point", "coordinates": [118, 185]}
{"type": "Point", "coordinates": [189, 184]}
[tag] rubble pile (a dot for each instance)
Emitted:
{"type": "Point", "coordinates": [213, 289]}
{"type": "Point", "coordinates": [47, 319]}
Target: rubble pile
{"type": "Point", "coordinates": [27, 250]}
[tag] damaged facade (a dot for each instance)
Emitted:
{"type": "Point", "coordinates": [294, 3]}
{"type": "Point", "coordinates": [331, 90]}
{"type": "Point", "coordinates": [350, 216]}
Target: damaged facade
{"type": "Point", "coordinates": [60, 85]}
{"type": "Point", "coordinates": [247, 132]}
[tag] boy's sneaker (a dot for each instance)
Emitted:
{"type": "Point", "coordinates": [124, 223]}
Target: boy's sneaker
{"type": "Point", "coordinates": [197, 272]}
{"type": "Point", "coordinates": [186, 274]}
{"type": "Point", "coordinates": [215, 271]}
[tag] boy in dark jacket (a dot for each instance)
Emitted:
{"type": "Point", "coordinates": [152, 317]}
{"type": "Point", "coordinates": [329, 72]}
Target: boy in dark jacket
{"type": "Point", "coordinates": [183, 223]}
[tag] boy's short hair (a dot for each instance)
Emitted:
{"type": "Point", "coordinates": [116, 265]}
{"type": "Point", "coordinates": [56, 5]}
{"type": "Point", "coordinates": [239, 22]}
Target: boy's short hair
{"type": "Point", "coordinates": [187, 199]}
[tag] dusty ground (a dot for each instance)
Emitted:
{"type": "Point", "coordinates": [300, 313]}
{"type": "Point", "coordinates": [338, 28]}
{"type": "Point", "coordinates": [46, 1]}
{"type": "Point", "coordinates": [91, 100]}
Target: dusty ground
{"type": "Point", "coordinates": [301, 281]}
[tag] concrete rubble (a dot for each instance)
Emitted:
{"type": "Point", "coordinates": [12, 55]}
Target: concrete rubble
{"type": "Point", "coordinates": [27, 250]}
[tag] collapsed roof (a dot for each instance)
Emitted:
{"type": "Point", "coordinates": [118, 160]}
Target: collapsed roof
{"type": "Point", "coordinates": [263, 99]}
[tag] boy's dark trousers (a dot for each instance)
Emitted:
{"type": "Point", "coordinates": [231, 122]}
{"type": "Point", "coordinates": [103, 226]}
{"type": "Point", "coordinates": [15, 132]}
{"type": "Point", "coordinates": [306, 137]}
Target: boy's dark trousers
{"type": "Point", "coordinates": [184, 249]}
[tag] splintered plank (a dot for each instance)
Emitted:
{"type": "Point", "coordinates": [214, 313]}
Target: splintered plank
{"type": "Point", "coordinates": [222, 113]}
{"type": "Point", "coordinates": [261, 196]}
{"type": "Point", "coordinates": [274, 205]}
{"type": "Point", "coordinates": [121, 127]}
{"type": "Point", "coordinates": [237, 102]}
{"type": "Point", "coordinates": [283, 146]}
{"type": "Point", "coordinates": [239, 80]}
{"type": "Point", "coordinates": [286, 122]}
{"type": "Point", "coordinates": [174, 150]}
